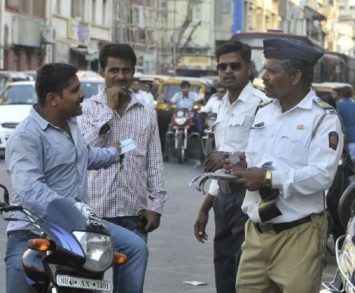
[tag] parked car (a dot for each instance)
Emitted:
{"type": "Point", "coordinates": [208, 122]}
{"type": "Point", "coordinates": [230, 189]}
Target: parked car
{"type": "Point", "coordinates": [15, 104]}
{"type": "Point", "coordinates": [7, 77]}
{"type": "Point", "coordinates": [92, 86]}
{"type": "Point", "coordinates": [17, 99]}
{"type": "Point", "coordinates": [324, 89]}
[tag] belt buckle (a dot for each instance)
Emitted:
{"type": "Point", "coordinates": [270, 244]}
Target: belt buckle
{"type": "Point", "coordinates": [266, 228]}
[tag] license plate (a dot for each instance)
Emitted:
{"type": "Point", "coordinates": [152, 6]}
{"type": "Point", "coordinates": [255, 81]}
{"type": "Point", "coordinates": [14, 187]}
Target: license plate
{"type": "Point", "coordinates": [81, 283]}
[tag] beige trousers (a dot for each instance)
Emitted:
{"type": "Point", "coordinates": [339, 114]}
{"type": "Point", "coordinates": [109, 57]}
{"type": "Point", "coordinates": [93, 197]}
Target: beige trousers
{"type": "Point", "coordinates": [287, 262]}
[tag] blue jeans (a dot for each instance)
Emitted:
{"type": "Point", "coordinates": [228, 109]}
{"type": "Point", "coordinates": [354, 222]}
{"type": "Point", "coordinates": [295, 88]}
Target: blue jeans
{"type": "Point", "coordinates": [127, 278]}
{"type": "Point", "coordinates": [130, 223]}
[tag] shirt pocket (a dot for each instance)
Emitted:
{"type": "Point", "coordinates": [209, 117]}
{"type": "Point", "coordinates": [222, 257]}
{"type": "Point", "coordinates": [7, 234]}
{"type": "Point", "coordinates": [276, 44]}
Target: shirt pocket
{"type": "Point", "coordinates": [293, 146]}
{"type": "Point", "coordinates": [238, 129]}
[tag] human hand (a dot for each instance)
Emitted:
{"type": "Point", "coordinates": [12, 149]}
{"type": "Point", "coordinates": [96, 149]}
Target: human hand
{"type": "Point", "coordinates": [114, 94]}
{"type": "Point", "coordinates": [117, 145]}
{"type": "Point", "coordinates": [216, 161]}
{"type": "Point", "coordinates": [200, 226]}
{"type": "Point", "coordinates": [251, 178]}
{"type": "Point", "coordinates": [233, 168]}
{"type": "Point", "coordinates": [152, 221]}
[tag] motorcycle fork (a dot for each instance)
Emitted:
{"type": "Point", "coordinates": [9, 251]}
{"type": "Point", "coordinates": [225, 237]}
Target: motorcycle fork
{"type": "Point", "coordinates": [182, 132]}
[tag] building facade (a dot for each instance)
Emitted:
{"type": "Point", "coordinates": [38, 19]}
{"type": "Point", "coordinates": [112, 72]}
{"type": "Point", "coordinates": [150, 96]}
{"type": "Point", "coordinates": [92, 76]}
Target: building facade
{"type": "Point", "coordinates": [168, 36]}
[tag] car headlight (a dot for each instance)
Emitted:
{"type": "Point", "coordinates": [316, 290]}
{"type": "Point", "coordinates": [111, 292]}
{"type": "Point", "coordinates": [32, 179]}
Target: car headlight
{"type": "Point", "coordinates": [98, 250]}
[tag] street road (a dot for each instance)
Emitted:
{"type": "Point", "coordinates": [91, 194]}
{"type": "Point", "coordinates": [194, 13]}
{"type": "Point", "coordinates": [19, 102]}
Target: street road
{"type": "Point", "coordinates": [175, 255]}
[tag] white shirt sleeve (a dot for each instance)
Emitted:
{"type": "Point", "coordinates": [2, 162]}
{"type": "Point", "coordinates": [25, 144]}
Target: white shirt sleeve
{"type": "Point", "coordinates": [214, 188]}
{"type": "Point", "coordinates": [174, 99]}
{"type": "Point", "coordinates": [208, 107]}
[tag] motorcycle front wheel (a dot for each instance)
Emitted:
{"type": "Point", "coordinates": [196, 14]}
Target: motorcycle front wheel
{"type": "Point", "coordinates": [180, 149]}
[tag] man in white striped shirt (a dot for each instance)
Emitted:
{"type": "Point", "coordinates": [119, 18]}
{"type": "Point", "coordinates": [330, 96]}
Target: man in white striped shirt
{"type": "Point", "coordinates": [120, 194]}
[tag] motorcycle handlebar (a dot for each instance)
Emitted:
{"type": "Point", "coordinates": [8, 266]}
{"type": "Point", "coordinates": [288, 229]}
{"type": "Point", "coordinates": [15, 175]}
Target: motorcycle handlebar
{"type": "Point", "coordinates": [8, 208]}
{"type": "Point", "coordinates": [6, 194]}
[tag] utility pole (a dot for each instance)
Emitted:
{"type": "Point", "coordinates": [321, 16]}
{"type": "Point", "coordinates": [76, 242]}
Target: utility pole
{"type": "Point", "coordinates": [175, 41]}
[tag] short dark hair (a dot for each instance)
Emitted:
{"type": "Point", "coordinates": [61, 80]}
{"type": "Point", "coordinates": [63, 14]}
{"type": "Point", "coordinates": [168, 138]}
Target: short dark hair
{"type": "Point", "coordinates": [234, 46]}
{"type": "Point", "coordinates": [53, 78]}
{"type": "Point", "coordinates": [121, 51]}
{"type": "Point", "coordinates": [135, 79]}
{"type": "Point", "coordinates": [307, 69]}
{"type": "Point", "coordinates": [185, 83]}
{"type": "Point", "coordinates": [347, 92]}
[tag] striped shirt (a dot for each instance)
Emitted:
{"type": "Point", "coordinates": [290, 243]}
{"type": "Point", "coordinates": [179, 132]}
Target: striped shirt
{"type": "Point", "coordinates": [113, 193]}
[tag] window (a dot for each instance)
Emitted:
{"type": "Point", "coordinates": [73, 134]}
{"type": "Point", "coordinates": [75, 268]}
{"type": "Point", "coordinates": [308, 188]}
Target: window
{"type": "Point", "coordinates": [38, 8]}
{"type": "Point", "coordinates": [13, 4]}
{"type": "Point", "coordinates": [76, 8]}
{"type": "Point", "coordinates": [104, 9]}
{"type": "Point", "coordinates": [93, 11]}
{"type": "Point", "coordinates": [57, 7]}
{"type": "Point", "coordinates": [227, 6]}
{"type": "Point", "coordinates": [31, 7]}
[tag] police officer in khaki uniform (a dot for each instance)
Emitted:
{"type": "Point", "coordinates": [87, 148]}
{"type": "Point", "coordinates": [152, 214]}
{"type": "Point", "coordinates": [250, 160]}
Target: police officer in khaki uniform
{"type": "Point", "coordinates": [234, 119]}
{"type": "Point", "coordinates": [291, 159]}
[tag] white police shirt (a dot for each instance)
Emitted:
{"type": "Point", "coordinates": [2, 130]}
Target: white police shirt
{"type": "Point", "coordinates": [231, 129]}
{"type": "Point", "coordinates": [144, 98]}
{"type": "Point", "coordinates": [212, 105]}
{"type": "Point", "coordinates": [304, 166]}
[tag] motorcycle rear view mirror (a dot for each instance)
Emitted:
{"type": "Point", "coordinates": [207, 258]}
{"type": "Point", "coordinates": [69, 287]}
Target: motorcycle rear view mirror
{"type": "Point", "coordinates": [346, 208]}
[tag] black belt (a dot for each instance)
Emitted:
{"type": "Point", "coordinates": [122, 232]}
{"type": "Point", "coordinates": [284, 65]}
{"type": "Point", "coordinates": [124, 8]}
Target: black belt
{"type": "Point", "coordinates": [279, 227]}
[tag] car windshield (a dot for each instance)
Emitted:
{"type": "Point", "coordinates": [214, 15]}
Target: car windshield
{"type": "Point", "coordinates": [23, 94]}
{"type": "Point", "coordinates": [169, 90]}
{"type": "Point", "coordinates": [91, 88]}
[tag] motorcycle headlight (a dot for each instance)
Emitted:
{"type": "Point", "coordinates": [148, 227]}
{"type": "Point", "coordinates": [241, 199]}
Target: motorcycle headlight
{"type": "Point", "coordinates": [98, 250]}
{"type": "Point", "coordinates": [180, 121]}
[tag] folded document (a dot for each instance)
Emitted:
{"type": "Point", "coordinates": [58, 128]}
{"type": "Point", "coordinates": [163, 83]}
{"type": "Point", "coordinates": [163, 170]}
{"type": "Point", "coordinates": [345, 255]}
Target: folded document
{"type": "Point", "coordinates": [199, 181]}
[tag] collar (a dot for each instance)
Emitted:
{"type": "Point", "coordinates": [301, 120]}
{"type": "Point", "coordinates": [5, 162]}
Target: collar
{"type": "Point", "coordinates": [243, 96]}
{"type": "Point", "coordinates": [306, 103]}
{"type": "Point", "coordinates": [43, 123]}
{"type": "Point", "coordinates": [101, 98]}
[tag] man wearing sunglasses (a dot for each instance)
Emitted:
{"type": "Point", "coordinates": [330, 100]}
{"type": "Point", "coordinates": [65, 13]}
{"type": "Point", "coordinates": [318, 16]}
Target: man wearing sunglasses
{"type": "Point", "coordinates": [234, 119]}
{"type": "Point", "coordinates": [214, 102]}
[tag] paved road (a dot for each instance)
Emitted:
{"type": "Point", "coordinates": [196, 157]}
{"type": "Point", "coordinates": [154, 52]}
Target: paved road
{"type": "Point", "coordinates": [175, 255]}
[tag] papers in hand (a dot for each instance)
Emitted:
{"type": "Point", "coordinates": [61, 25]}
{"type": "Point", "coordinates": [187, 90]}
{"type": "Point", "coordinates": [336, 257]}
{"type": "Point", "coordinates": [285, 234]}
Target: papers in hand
{"type": "Point", "coordinates": [126, 146]}
{"type": "Point", "coordinates": [199, 181]}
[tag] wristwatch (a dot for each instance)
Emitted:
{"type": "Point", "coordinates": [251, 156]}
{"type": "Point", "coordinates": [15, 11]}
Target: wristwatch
{"type": "Point", "coordinates": [268, 178]}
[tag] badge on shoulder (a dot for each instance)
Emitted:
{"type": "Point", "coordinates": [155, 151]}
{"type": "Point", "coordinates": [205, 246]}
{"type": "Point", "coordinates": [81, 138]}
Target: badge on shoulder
{"type": "Point", "coordinates": [333, 140]}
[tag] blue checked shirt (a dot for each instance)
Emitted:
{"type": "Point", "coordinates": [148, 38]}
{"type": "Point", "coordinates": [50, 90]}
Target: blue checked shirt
{"type": "Point", "coordinates": [113, 193]}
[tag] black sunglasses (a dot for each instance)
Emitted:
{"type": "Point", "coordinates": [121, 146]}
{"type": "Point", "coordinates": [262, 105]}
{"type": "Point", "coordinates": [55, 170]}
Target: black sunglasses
{"type": "Point", "coordinates": [233, 65]}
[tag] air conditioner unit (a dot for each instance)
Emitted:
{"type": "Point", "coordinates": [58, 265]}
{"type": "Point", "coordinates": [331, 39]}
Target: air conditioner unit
{"type": "Point", "coordinates": [47, 33]}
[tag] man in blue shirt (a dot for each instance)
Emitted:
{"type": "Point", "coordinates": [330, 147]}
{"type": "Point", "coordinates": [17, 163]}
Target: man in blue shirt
{"type": "Point", "coordinates": [346, 110]}
{"type": "Point", "coordinates": [47, 158]}
{"type": "Point", "coordinates": [185, 98]}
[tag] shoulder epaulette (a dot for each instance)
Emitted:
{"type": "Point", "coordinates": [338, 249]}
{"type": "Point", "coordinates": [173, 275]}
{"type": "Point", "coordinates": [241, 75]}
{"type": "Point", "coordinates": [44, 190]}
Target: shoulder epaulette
{"type": "Point", "coordinates": [323, 104]}
{"type": "Point", "coordinates": [265, 103]}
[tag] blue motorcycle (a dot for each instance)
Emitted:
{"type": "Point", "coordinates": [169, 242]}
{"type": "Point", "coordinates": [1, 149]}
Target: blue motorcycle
{"type": "Point", "coordinates": [73, 249]}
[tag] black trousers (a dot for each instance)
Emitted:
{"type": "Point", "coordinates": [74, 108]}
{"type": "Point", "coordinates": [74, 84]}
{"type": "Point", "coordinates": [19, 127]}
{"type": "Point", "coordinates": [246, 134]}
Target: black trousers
{"type": "Point", "coordinates": [229, 236]}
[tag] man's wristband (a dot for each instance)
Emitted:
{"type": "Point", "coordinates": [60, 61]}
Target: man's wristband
{"type": "Point", "coordinates": [268, 178]}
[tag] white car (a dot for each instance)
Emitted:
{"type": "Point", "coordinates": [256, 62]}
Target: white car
{"type": "Point", "coordinates": [16, 101]}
